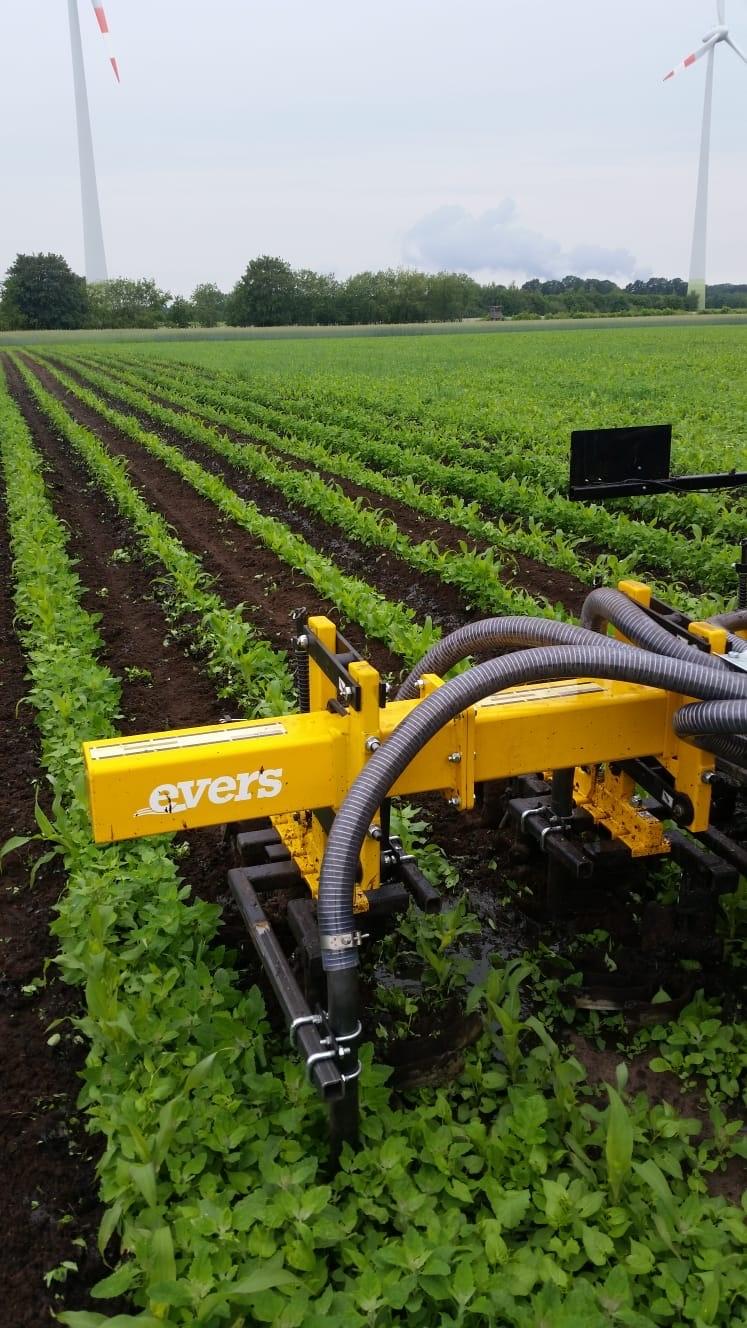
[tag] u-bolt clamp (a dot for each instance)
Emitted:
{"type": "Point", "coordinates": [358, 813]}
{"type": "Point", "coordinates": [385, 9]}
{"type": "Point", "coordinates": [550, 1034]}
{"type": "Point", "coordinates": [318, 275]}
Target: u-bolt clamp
{"type": "Point", "coordinates": [548, 830]}
{"type": "Point", "coordinates": [318, 1056]}
{"type": "Point", "coordinates": [528, 811]}
{"type": "Point", "coordinates": [342, 1040]}
{"type": "Point", "coordinates": [335, 1047]}
{"type": "Point", "coordinates": [349, 1037]}
{"type": "Point", "coordinates": [301, 1022]}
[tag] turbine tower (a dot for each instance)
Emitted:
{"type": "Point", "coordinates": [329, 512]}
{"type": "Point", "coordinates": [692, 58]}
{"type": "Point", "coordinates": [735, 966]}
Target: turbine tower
{"type": "Point", "coordinates": [93, 235]}
{"type": "Point", "coordinates": [697, 283]}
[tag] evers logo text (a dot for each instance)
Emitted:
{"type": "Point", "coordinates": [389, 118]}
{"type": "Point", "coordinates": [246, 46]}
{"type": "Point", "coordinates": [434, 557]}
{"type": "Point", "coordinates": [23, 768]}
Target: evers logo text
{"type": "Point", "coordinates": [172, 799]}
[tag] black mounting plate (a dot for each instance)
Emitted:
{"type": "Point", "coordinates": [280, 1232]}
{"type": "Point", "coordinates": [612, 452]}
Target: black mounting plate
{"type": "Point", "coordinates": [603, 460]}
{"type": "Point", "coordinates": [627, 462]}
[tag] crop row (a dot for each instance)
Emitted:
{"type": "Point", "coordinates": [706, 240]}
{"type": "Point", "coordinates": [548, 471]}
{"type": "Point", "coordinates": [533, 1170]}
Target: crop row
{"type": "Point", "coordinates": [701, 560]}
{"type": "Point", "coordinates": [174, 384]}
{"type": "Point", "coordinates": [394, 624]}
{"type": "Point", "coordinates": [172, 1044]}
{"type": "Point", "coordinates": [480, 577]}
{"type": "Point", "coordinates": [529, 452]}
{"type": "Point", "coordinates": [249, 669]}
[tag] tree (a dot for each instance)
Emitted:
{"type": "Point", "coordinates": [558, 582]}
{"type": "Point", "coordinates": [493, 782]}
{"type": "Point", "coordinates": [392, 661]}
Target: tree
{"type": "Point", "coordinates": [209, 305]}
{"type": "Point", "coordinates": [316, 298]}
{"type": "Point", "coordinates": [360, 301]}
{"type": "Point", "coordinates": [181, 313]}
{"type": "Point", "coordinates": [42, 291]}
{"type": "Point", "coordinates": [125, 303]}
{"type": "Point", "coordinates": [451, 295]}
{"type": "Point", "coordinates": [265, 296]}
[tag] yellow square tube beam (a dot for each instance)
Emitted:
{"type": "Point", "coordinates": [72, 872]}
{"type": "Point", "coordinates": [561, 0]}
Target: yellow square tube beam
{"type": "Point", "coordinates": [160, 783]}
{"type": "Point", "coordinates": [180, 780]}
{"type": "Point", "coordinates": [551, 726]}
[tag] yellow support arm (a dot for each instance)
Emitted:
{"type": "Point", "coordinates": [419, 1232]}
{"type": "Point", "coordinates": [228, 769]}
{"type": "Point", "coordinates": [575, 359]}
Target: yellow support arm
{"type": "Point", "coordinates": [179, 780]}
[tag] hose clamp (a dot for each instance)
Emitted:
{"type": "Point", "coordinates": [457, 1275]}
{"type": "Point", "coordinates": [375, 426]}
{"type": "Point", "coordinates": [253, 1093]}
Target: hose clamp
{"type": "Point", "coordinates": [344, 940]}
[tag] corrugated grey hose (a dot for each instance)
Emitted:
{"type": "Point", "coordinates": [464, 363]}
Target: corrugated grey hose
{"type": "Point", "coordinates": [701, 723]}
{"type": "Point", "coordinates": [493, 634]}
{"type": "Point", "coordinates": [611, 606]}
{"type": "Point", "coordinates": [733, 622]}
{"type": "Point", "coordinates": [335, 905]}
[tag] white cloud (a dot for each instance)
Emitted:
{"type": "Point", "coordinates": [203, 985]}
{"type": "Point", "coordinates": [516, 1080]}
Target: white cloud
{"type": "Point", "coordinates": [495, 241]}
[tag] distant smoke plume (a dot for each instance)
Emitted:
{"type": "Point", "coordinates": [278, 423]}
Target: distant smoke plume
{"type": "Point", "coordinates": [452, 238]}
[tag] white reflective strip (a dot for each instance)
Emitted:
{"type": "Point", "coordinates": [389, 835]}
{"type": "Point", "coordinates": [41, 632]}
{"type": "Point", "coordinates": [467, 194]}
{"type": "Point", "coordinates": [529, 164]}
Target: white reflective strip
{"type": "Point", "coordinates": [178, 742]}
{"type": "Point", "coordinates": [541, 693]}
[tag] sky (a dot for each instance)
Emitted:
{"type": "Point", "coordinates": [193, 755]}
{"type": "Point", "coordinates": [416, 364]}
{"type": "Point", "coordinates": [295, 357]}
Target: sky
{"type": "Point", "coordinates": [510, 140]}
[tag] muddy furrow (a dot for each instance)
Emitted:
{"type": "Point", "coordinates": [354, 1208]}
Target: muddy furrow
{"type": "Point", "coordinates": [244, 570]}
{"type": "Point", "coordinates": [426, 594]}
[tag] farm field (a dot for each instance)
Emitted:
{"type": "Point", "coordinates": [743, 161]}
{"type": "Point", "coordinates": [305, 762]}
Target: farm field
{"type": "Point", "coordinates": [468, 327]}
{"type": "Point", "coordinates": [167, 507]}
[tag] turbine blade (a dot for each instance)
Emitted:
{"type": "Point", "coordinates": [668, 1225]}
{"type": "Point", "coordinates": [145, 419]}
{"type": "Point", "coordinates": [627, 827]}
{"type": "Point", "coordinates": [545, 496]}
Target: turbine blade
{"type": "Point", "coordinates": [690, 59]}
{"type": "Point", "coordinates": [721, 5]}
{"type": "Point", "coordinates": [736, 49]}
{"type": "Point", "coordinates": [101, 19]}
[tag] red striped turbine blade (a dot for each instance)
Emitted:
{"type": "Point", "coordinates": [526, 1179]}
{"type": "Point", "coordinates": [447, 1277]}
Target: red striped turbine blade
{"type": "Point", "coordinates": [689, 60]}
{"type": "Point", "coordinates": [101, 16]}
{"type": "Point", "coordinates": [102, 21]}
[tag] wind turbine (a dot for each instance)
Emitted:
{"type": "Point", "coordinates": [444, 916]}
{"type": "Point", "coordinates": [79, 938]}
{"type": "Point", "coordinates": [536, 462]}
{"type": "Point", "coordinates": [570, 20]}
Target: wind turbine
{"type": "Point", "coordinates": [697, 283]}
{"type": "Point", "coordinates": [93, 236]}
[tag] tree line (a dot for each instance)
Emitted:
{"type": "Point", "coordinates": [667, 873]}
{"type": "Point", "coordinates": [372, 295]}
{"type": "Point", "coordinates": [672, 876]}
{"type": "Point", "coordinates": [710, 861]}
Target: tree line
{"type": "Point", "coordinates": [41, 291]}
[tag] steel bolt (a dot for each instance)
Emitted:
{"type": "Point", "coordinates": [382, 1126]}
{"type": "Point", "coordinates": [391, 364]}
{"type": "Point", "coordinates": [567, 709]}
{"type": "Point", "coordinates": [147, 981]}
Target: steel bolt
{"type": "Point", "coordinates": [374, 832]}
{"type": "Point", "coordinates": [373, 744]}
{"type": "Point", "coordinates": [455, 758]}
{"type": "Point", "coordinates": [636, 800]}
{"type": "Point", "coordinates": [456, 801]}
{"type": "Point", "coordinates": [302, 642]}
{"type": "Point", "coordinates": [708, 777]}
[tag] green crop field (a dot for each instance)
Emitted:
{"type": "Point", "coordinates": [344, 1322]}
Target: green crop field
{"type": "Point", "coordinates": [166, 506]}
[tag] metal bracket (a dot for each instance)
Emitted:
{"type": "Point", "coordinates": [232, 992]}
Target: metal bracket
{"type": "Point", "coordinates": [737, 659]}
{"type": "Point", "coordinates": [333, 665]}
{"type": "Point", "coordinates": [336, 1047]}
